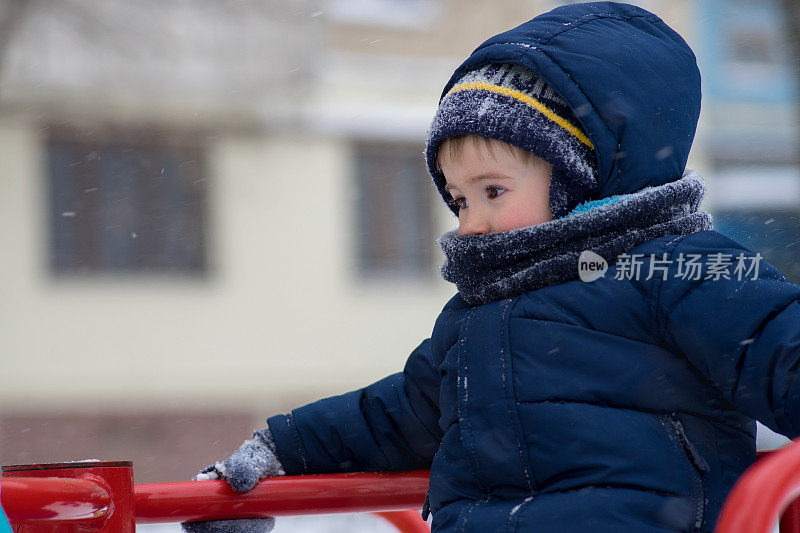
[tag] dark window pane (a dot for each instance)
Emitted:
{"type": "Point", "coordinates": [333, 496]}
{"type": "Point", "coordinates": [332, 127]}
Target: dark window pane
{"type": "Point", "coordinates": [126, 202]}
{"type": "Point", "coordinates": [395, 210]}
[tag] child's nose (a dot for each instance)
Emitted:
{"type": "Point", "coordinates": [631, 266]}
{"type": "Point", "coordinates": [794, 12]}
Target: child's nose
{"type": "Point", "coordinates": [474, 224]}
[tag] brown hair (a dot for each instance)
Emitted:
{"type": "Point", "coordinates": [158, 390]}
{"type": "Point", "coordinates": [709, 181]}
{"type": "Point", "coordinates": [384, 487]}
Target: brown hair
{"type": "Point", "coordinates": [452, 148]}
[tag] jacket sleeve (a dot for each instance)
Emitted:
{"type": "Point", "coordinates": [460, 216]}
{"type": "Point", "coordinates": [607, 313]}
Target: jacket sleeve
{"type": "Point", "coordinates": [743, 332]}
{"type": "Point", "coordinates": [390, 425]}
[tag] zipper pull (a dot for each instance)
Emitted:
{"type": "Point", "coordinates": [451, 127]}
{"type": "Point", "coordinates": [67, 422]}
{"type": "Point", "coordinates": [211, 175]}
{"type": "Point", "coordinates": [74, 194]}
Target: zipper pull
{"type": "Point", "coordinates": [694, 453]}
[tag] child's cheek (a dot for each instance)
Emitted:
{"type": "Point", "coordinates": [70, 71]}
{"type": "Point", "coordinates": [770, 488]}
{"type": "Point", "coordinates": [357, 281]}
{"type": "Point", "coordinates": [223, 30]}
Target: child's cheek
{"type": "Point", "coordinates": [517, 216]}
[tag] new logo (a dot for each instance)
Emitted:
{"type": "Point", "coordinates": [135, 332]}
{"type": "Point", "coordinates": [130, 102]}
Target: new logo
{"type": "Point", "coordinates": [591, 266]}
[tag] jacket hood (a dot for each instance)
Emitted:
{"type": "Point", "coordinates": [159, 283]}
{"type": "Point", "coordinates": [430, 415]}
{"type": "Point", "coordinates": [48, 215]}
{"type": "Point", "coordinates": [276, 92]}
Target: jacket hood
{"type": "Point", "coordinates": [631, 81]}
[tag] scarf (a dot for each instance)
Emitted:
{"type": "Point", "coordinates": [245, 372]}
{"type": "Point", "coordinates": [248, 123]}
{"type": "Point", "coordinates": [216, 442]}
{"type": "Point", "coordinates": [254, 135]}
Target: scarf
{"type": "Point", "coordinates": [495, 266]}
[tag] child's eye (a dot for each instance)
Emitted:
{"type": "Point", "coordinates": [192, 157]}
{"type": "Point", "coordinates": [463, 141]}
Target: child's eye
{"type": "Point", "coordinates": [459, 202]}
{"type": "Point", "coordinates": [493, 191]}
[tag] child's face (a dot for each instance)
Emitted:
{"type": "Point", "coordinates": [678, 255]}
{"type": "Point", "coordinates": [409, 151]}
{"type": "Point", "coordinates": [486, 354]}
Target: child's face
{"type": "Point", "coordinates": [496, 191]}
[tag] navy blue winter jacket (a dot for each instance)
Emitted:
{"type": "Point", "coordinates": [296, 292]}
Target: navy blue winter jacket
{"type": "Point", "coordinates": [612, 406]}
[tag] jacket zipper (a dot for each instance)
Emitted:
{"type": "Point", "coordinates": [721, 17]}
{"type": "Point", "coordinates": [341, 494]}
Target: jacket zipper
{"type": "Point", "coordinates": [697, 461]}
{"type": "Point", "coordinates": [426, 507]}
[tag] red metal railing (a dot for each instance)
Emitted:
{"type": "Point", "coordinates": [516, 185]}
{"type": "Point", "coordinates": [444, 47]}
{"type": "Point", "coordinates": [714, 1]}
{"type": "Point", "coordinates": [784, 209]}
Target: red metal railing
{"type": "Point", "coordinates": [43, 499]}
{"type": "Point", "coordinates": [280, 496]}
{"type": "Point", "coordinates": [767, 490]}
{"type": "Point", "coordinates": [101, 497]}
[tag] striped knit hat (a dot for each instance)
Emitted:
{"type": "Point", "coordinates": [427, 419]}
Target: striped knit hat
{"type": "Point", "coordinates": [510, 103]}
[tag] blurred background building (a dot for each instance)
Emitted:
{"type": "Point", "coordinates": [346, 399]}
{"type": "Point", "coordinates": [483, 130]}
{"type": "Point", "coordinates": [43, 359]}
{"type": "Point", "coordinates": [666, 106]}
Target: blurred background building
{"type": "Point", "coordinates": [216, 211]}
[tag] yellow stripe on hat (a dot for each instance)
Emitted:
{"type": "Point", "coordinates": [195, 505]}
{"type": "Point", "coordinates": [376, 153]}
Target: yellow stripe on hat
{"type": "Point", "coordinates": [524, 98]}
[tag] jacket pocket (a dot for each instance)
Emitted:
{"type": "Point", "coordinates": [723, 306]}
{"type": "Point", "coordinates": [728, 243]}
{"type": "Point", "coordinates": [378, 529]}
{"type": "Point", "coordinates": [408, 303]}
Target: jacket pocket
{"type": "Point", "coordinates": [695, 463]}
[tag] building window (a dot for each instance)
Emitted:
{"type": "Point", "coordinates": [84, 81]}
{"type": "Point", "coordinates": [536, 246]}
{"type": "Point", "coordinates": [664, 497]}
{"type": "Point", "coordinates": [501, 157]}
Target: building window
{"type": "Point", "coordinates": [746, 54]}
{"type": "Point", "coordinates": [754, 46]}
{"type": "Point", "coordinates": [126, 202]}
{"type": "Point", "coordinates": [395, 210]}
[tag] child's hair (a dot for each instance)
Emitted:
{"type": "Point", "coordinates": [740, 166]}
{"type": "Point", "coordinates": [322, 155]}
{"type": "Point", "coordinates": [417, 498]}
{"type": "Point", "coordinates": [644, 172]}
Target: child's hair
{"type": "Point", "coordinates": [452, 148]}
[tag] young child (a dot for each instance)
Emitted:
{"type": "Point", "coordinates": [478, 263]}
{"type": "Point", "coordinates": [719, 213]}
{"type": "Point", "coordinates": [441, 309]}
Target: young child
{"type": "Point", "coordinates": [540, 402]}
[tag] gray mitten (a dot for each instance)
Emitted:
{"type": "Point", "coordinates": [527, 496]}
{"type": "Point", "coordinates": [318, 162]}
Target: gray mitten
{"type": "Point", "coordinates": [255, 525]}
{"type": "Point", "coordinates": [254, 460]}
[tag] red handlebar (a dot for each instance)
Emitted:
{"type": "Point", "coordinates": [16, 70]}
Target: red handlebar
{"type": "Point", "coordinates": [763, 493]}
{"type": "Point", "coordinates": [280, 496]}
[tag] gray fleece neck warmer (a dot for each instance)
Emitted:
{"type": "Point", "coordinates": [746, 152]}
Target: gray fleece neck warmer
{"type": "Point", "coordinates": [494, 266]}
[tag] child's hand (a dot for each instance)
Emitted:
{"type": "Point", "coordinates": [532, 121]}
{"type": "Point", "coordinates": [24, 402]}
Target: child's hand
{"type": "Point", "coordinates": [254, 460]}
